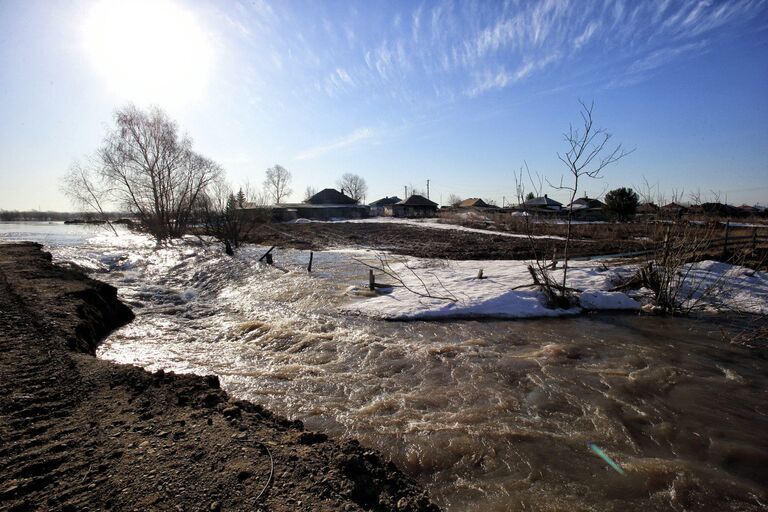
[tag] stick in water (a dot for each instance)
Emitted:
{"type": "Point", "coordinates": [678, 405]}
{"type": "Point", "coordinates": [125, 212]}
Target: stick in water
{"type": "Point", "coordinates": [600, 453]}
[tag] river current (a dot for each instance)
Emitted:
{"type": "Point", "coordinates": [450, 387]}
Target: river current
{"type": "Point", "coordinates": [488, 415]}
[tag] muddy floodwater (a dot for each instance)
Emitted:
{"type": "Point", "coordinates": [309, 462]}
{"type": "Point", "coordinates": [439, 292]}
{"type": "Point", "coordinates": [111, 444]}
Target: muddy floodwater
{"type": "Point", "coordinates": [488, 415]}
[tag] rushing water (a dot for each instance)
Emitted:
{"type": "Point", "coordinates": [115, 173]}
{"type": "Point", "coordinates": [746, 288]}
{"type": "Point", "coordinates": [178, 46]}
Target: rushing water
{"type": "Point", "coordinates": [488, 415]}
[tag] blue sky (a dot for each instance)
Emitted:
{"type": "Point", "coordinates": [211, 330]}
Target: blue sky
{"type": "Point", "coordinates": [458, 92]}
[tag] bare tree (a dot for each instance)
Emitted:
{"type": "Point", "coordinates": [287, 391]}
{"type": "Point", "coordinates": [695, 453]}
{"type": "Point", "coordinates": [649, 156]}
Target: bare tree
{"type": "Point", "coordinates": [454, 199]}
{"type": "Point", "coordinates": [277, 183]}
{"type": "Point", "coordinates": [694, 197]}
{"type": "Point", "coordinates": [677, 195]}
{"type": "Point", "coordinates": [84, 190]}
{"type": "Point", "coordinates": [587, 156]}
{"type": "Point", "coordinates": [413, 191]}
{"type": "Point", "coordinates": [309, 192]}
{"type": "Point", "coordinates": [146, 167]}
{"type": "Point", "coordinates": [646, 192]}
{"type": "Point", "coordinates": [353, 185]}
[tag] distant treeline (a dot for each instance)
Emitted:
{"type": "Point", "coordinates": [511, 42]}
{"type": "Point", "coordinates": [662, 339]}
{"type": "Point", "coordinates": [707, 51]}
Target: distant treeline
{"type": "Point", "coordinates": [35, 215]}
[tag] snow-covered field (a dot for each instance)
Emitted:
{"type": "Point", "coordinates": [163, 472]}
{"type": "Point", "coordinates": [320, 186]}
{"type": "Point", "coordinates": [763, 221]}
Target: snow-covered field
{"type": "Point", "coordinates": [451, 289]}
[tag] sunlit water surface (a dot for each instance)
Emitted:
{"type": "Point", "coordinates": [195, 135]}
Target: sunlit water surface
{"type": "Point", "coordinates": [488, 415]}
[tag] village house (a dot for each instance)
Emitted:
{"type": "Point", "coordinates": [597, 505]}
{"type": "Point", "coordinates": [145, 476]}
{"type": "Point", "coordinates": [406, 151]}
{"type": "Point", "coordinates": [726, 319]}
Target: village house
{"type": "Point", "coordinates": [474, 202]}
{"type": "Point", "coordinates": [328, 204]}
{"type": "Point", "coordinates": [383, 207]}
{"type": "Point", "coordinates": [543, 204]}
{"type": "Point", "coordinates": [750, 210]}
{"type": "Point", "coordinates": [715, 210]}
{"type": "Point", "coordinates": [647, 209]}
{"type": "Point", "coordinates": [672, 210]}
{"type": "Point", "coordinates": [415, 206]}
{"type": "Point", "coordinates": [588, 209]}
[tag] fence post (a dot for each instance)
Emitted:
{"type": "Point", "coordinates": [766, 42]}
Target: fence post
{"type": "Point", "coordinates": [309, 267]}
{"type": "Point", "coordinates": [371, 280]}
{"type": "Point", "coordinates": [480, 274]}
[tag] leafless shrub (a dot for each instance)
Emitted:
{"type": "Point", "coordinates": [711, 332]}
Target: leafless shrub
{"type": "Point", "coordinates": [229, 216]}
{"type": "Point", "coordinates": [539, 269]}
{"type": "Point", "coordinates": [752, 332]}
{"type": "Point", "coordinates": [417, 286]}
{"type": "Point", "coordinates": [679, 286]}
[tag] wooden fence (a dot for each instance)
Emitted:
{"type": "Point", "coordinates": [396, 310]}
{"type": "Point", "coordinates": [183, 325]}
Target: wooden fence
{"type": "Point", "coordinates": [727, 242]}
{"type": "Point", "coordinates": [730, 242]}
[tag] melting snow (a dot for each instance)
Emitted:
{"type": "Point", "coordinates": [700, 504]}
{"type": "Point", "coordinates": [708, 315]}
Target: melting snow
{"type": "Point", "coordinates": [456, 292]}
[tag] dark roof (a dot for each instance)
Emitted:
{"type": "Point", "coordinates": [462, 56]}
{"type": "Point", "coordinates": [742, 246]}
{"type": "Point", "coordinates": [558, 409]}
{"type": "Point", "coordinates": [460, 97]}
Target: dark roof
{"type": "Point", "coordinates": [330, 196]}
{"type": "Point", "coordinates": [647, 208]}
{"type": "Point", "coordinates": [417, 200]}
{"type": "Point", "coordinates": [720, 209]}
{"type": "Point", "coordinates": [673, 206]}
{"type": "Point", "coordinates": [586, 202]}
{"type": "Point", "coordinates": [473, 202]}
{"type": "Point", "coordinates": [385, 201]}
{"type": "Point", "coordinates": [543, 202]}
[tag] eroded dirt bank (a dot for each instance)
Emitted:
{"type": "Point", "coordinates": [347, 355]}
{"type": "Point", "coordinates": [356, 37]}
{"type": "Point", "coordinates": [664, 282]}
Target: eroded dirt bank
{"type": "Point", "coordinates": [77, 433]}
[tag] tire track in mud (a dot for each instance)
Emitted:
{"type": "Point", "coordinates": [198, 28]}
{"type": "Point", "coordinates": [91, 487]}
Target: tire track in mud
{"type": "Point", "coordinates": [34, 405]}
{"type": "Point", "coordinates": [77, 433]}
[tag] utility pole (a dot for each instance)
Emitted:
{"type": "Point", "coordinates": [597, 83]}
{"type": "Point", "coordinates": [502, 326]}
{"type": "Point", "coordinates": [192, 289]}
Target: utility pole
{"type": "Point", "coordinates": [406, 192]}
{"type": "Point", "coordinates": [427, 189]}
{"type": "Point", "coordinates": [503, 200]}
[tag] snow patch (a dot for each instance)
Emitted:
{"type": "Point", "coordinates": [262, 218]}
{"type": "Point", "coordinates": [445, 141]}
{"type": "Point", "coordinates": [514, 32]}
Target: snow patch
{"type": "Point", "coordinates": [598, 299]}
{"type": "Point", "coordinates": [437, 289]}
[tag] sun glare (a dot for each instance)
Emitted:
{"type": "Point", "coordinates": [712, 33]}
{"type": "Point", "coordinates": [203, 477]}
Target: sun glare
{"type": "Point", "coordinates": [148, 51]}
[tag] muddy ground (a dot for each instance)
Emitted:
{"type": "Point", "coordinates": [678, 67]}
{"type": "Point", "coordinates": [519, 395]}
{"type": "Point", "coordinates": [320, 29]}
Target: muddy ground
{"type": "Point", "coordinates": [453, 244]}
{"type": "Point", "coordinates": [426, 242]}
{"type": "Point", "coordinates": [77, 433]}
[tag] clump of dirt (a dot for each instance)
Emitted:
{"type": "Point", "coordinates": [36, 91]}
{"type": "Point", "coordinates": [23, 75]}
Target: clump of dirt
{"type": "Point", "coordinates": [77, 433]}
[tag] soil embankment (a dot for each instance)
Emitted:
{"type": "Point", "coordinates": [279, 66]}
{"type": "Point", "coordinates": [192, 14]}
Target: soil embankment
{"type": "Point", "coordinates": [77, 433]}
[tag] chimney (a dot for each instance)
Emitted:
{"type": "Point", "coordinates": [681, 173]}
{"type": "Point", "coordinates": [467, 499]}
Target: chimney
{"type": "Point", "coordinates": [545, 196]}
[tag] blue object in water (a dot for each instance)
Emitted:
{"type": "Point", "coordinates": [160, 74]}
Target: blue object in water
{"type": "Point", "coordinates": [600, 453]}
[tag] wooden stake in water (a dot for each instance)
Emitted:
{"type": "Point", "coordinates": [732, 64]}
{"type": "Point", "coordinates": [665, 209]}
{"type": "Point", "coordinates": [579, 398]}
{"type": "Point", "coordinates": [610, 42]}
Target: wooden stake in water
{"type": "Point", "coordinates": [309, 267]}
{"type": "Point", "coordinates": [600, 453]}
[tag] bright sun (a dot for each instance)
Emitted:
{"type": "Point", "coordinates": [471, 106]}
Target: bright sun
{"type": "Point", "coordinates": [149, 51]}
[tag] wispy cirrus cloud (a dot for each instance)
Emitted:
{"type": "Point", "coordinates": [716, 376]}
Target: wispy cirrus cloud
{"type": "Point", "coordinates": [489, 81]}
{"type": "Point", "coordinates": [474, 49]}
{"type": "Point", "coordinates": [351, 139]}
{"type": "Point", "coordinates": [500, 79]}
